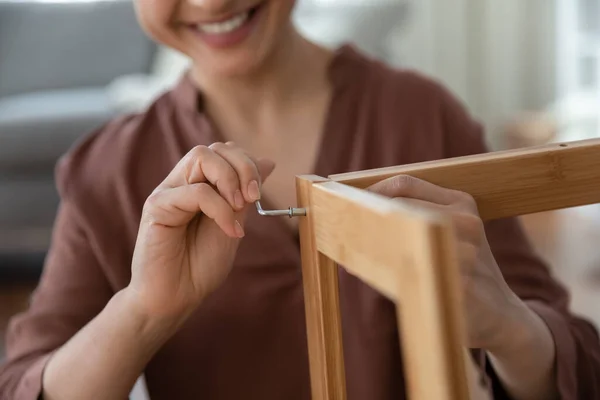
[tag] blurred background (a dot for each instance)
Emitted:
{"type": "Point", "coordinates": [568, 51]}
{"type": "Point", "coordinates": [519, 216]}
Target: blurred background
{"type": "Point", "coordinates": [529, 70]}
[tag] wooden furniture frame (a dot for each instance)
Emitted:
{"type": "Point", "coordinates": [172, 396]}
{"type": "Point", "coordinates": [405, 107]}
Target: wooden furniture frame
{"type": "Point", "coordinates": [359, 230]}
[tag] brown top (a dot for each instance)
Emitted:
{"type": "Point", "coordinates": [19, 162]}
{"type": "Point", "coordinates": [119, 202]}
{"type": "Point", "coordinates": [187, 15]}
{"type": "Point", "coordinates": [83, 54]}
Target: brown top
{"type": "Point", "coordinates": [247, 341]}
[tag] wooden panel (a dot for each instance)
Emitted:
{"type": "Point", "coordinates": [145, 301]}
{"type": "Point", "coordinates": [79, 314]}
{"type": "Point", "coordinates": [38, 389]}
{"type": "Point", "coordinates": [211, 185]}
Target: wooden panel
{"type": "Point", "coordinates": [321, 292]}
{"type": "Point", "coordinates": [509, 183]}
{"type": "Point", "coordinates": [407, 254]}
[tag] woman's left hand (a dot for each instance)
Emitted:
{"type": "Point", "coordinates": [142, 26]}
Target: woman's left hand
{"type": "Point", "coordinates": [494, 313]}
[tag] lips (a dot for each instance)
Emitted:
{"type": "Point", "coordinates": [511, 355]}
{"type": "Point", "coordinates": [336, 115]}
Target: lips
{"type": "Point", "coordinates": [231, 31]}
{"type": "Point", "coordinates": [229, 25]}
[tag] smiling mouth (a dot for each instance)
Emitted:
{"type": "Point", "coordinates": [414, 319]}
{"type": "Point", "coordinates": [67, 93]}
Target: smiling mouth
{"type": "Point", "coordinates": [229, 25]}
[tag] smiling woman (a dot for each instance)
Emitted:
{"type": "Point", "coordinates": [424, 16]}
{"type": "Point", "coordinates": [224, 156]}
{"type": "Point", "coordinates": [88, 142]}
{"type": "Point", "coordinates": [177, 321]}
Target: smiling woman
{"type": "Point", "coordinates": [223, 37]}
{"type": "Point", "coordinates": [160, 263]}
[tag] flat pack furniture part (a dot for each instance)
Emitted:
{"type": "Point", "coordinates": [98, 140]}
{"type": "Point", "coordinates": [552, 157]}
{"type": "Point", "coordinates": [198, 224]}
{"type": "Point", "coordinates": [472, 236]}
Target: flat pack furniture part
{"type": "Point", "coordinates": [408, 254]}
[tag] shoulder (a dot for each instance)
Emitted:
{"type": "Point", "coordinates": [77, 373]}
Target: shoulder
{"type": "Point", "coordinates": [421, 106]}
{"type": "Point", "coordinates": [410, 89]}
{"type": "Point", "coordinates": [393, 90]}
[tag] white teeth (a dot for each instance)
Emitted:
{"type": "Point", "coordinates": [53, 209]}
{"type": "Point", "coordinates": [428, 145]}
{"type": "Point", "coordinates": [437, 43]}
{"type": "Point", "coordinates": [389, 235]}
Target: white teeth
{"type": "Point", "coordinates": [225, 26]}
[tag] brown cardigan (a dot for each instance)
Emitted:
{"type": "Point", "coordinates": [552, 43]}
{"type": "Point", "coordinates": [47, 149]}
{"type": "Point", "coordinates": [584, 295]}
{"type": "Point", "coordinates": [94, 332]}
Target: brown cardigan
{"type": "Point", "coordinates": [247, 341]}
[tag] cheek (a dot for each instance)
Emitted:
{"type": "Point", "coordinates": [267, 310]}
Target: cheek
{"type": "Point", "coordinates": [155, 17]}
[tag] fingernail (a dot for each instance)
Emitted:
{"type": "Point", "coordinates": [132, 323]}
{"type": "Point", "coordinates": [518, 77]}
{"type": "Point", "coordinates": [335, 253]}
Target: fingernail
{"type": "Point", "coordinates": [253, 191]}
{"type": "Point", "coordinates": [238, 197]}
{"type": "Point", "coordinates": [239, 231]}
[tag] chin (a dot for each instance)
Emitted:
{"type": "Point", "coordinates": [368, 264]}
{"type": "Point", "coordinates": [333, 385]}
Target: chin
{"type": "Point", "coordinates": [233, 67]}
{"type": "Point", "coordinates": [236, 63]}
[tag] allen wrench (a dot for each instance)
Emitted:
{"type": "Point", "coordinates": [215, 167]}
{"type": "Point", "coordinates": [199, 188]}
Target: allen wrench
{"type": "Point", "coordinates": [290, 212]}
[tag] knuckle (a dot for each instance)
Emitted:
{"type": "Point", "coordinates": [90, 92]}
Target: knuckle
{"type": "Point", "coordinates": [201, 190]}
{"type": "Point", "coordinates": [471, 226]}
{"type": "Point", "coordinates": [217, 146]}
{"type": "Point", "coordinates": [193, 167]}
{"type": "Point", "coordinates": [152, 205]}
{"type": "Point", "coordinates": [153, 199]}
{"type": "Point", "coordinates": [398, 185]}
{"type": "Point", "coordinates": [198, 151]}
{"type": "Point", "coordinates": [403, 181]}
{"type": "Point", "coordinates": [467, 199]}
{"type": "Point", "coordinates": [194, 158]}
{"type": "Point", "coordinates": [473, 222]}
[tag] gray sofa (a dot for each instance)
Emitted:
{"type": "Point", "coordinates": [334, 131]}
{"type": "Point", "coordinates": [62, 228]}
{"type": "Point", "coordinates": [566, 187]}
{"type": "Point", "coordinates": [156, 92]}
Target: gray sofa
{"type": "Point", "coordinates": [56, 61]}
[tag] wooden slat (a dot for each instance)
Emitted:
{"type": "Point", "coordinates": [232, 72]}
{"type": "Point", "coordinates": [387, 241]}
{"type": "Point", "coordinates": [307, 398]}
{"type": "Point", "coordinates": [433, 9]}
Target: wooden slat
{"type": "Point", "coordinates": [406, 253]}
{"type": "Point", "coordinates": [509, 183]}
{"type": "Point", "coordinates": [323, 319]}
{"type": "Point", "coordinates": [389, 226]}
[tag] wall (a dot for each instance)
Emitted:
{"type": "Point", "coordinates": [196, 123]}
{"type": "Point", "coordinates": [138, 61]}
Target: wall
{"type": "Point", "coordinates": [499, 57]}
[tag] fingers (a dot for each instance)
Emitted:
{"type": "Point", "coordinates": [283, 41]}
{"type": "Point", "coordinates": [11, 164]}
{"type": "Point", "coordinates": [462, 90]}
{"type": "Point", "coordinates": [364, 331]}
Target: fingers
{"type": "Point", "coordinates": [411, 187]}
{"type": "Point", "coordinates": [176, 207]}
{"type": "Point", "coordinates": [426, 205]}
{"type": "Point", "coordinates": [468, 228]}
{"type": "Point", "coordinates": [203, 165]}
{"type": "Point", "coordinates": [217, 181]}
{"type": "Point", "coordinates": [248, 169]}
{"type": "Point", "coordinates": [236, 175]}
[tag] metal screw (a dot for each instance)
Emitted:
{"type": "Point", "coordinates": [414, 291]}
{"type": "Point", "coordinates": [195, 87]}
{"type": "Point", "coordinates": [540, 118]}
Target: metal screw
{"type": "Point", "coordinates": [290, 212]}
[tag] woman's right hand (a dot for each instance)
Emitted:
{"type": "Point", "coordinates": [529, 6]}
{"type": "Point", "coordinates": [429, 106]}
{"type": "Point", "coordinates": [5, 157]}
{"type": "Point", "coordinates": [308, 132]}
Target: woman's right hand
{"type": "Point", "coordinates": [190, 229]}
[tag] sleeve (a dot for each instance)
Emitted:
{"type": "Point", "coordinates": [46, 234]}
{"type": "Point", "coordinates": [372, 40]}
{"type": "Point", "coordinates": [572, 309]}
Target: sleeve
{"type": "Point", "coordinates": [577, 343]}
{"type": "Point", "coordinates": [72, 290]}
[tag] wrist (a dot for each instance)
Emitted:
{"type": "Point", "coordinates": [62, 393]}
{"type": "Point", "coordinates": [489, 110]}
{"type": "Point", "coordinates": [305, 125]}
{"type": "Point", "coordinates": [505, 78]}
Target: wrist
{"type": "Point", "coordinates": [518, 330]}
{"type": "Point", "coordinates": [523, 331]}
{"type": "Point", "coordinates": [524, 363]}
{"type": "Point", "coordinates": [154, 328]}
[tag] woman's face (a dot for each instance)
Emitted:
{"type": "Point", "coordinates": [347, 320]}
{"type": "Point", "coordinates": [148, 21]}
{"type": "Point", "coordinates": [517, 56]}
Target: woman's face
{"type": "Point", "coordinates": [225, 37]}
